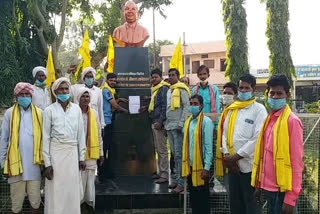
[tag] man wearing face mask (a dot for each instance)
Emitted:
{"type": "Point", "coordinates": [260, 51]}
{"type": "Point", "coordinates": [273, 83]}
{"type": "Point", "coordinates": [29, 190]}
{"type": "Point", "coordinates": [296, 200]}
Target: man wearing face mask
{"type": "Point", "coordinates": [278, 159]}
{"type": "Point", "coordinates": [21, 149]}
{"type": "Point", "coordinates": [230, 93]}
{"type": "Point", "coordinates": [239, 129]}
{"type": "Point", "coordinates": [210, 94]}
{"type": "Point", "coordinates": [88, 75]}
{"type": "Point", "coordinates": [41, 94]}
{"type": "Point", "coordinates": [64, 149]}
{"type": "Point", "coordinates": [197, 155]}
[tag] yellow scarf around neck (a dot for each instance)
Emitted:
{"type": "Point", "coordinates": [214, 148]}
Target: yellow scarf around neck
{"type": "Point", "coordinates": [154, 92]}
{"type": "Point", "coordinates": [175, 100]}
{"type": "Point", "coordinates": [281, 153]}
{"type": "Point", "coordinates": [13, 164]}
{"type": "Point", "coordinates": [92, 137]}
{"type": "Point", "coordinates": [197, 163]}
{"type": "Point", "coordinates": [233, 108]}
{"type": "Point", "coordinates": [112, 90]}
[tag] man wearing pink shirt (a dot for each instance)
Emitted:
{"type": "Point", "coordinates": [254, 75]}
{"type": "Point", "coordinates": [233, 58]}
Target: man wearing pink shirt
{"type": "Point", "coordinates": [279, 174]}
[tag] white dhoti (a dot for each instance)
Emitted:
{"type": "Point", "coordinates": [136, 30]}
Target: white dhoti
{"type": "Point", "coordinates": [62, 193]}
{"type": "Point", "coordinates": [88, 178]}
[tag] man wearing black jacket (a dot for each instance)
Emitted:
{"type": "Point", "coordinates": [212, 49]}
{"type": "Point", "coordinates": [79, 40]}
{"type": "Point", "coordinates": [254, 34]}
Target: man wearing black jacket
{"type": "Point", "coordinates": [157, 110]}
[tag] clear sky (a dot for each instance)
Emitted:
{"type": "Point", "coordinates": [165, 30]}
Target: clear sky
{"type": "Point", "coordinates": [201, 20]}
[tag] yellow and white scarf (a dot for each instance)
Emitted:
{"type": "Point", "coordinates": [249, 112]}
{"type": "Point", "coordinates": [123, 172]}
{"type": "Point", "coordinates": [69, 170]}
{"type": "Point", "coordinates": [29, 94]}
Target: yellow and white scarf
{"type": "Point", "coordinates": [92, 137]}
{"type": "Point", "coordinates": [154, 92]}
{"type": "Point", "coordinates": [175, 101]}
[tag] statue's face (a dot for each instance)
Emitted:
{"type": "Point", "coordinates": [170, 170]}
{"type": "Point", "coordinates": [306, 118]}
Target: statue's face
{"type": "Point", "coordinates": [131, 12]}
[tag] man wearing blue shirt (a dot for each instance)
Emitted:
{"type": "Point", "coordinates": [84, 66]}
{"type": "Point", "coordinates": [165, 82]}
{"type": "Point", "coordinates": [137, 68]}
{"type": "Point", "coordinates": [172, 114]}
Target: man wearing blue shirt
{"type": "Point", "coordinates": [197, 155]}
{"type": "Point", "coordinates": [110, 104]}
{"type": "Point", "coordinates": [209, 93]}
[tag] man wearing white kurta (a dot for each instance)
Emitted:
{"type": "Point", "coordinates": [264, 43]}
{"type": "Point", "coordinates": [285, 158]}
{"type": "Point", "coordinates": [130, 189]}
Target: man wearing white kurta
{"type": "Point", "coordinates": [93, 140]}
{"type": "Point", "coordinates": [41, 94]}
{"type": "Point", "coordinates": [63, 152]}
{"type": "Point", "coordinates": [88, 76]}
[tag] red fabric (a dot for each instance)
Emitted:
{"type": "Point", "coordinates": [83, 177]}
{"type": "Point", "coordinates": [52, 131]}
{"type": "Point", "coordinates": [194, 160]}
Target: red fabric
{"type": "Point", "coordinates": [212, 100]}
{"type": "Point", "coordinates": [21, 86]}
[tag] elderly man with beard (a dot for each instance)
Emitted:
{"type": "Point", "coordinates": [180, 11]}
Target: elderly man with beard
{"type": "Point", "coordinates": [64, 151]}
{"type": "Point", "coordinates": [92, 130]}
{"type": "Point", "coordinates": [21, 149]}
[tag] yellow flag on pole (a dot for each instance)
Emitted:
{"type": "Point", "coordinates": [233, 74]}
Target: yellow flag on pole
{"type": "Point", "coordinates": [51, 72]}
{"type": "Point", "coordinates": [177, 59]}
{"type": "Point", "coordinates": [110, 55]}
{"type": "Point", "coordinates": [85, 53]}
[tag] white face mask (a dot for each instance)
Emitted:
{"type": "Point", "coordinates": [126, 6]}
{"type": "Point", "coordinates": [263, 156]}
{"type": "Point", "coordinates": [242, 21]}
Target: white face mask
{"type": "Point", "coordinates": [204, 82]}
{"type": "Point", "coordinates": [227, 99]}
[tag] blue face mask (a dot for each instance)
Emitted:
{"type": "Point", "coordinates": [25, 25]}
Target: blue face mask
{"type": "Point", "coordinates": [195, 110]}
{"type": "Point", "coordinates": [63, 97]}
{"type": "Point", "coordinates": [244, 96]}
{"type": "Point", "coordinates": [40, 83]}
{"type": "Point", "coordinates": [24, 101]}
{"type": "Point", "coordinates": [276, 104]}
{"type": "Point", "coordinates": [88, 81]}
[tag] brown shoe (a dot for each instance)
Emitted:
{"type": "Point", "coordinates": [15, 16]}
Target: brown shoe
{"type": "Point", "coordinates": [178, 189]}
{"type": "Point", "coordinates": [155, 176]}
{"type": "Point", "coordinates": [162, 181]}
{"type": "Point", "coordinates": [172, 186]}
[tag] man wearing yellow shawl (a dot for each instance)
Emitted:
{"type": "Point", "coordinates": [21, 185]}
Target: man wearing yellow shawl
{"type": "Point", "coordinates": [110, 105]}
{"type": "Point", "coordinates": [21, 149]}
{"type": "Point", "coordinates": [157, 111]}
{"type": "Point", "coordinates": [197, 155]}
{"type": "Point", "coordinates": [94, 143]}
{"type": "Point", "coordinates": [177, 110]}
{"type": "Point", "coordinates": [238, 131]}
{"type": "Point", "coordinates": [278, 159]}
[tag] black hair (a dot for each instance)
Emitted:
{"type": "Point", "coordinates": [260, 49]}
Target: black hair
{"type": "Point", "coordinates": [249, 79]}
{"type": "Point", "coordinates": [199, 97]}
{"type": "Point", "coordinates": [203, 67]}
{"type": "Point", "coordinates": [111, 75]}
{"type": "Point", "coordinates": [279, 80]}
{"type": "Point", "coordinates": [231, 85]}
{"type": "Point", "coordinates": [156, 71]}
{"type": "Point", "coordinates": [176, 70]}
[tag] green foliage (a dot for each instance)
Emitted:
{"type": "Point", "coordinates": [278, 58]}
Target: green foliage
{"type": "Point", "coordinates": [20, 48]}
{"type": "Point", "coordinates": [279, 38]}
{"type": "Point", "coordinates": [159, 43]}
{"type": "Point", "coordinates": [235, 23]}
{"type": "Point", "coordinates": [312, 107]}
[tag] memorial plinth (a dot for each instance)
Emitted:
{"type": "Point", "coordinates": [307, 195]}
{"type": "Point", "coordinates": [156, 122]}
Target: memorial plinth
{"type": "Point", "coordinates": [132, 135]}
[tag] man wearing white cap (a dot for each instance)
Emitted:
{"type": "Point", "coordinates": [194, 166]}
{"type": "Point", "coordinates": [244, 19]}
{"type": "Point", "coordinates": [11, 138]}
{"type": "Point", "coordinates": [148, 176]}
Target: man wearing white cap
{"type": "Point", "coordinates": [64, 151]}
{"type": "Point", "coordinates": [94, 143]}
{"type": "Point", "coordinates": [41, 94]}
{"type": "Point", "coordinates": [88, 76]}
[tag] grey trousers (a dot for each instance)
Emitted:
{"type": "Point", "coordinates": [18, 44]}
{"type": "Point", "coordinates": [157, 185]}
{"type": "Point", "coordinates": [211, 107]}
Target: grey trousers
{"type": "Point", "coordinates": [176, 140]}
{"type": "Point", "coordinates": [160, 143]}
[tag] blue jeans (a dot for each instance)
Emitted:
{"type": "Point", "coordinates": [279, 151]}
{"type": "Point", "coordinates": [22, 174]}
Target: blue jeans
{"type": "Point", "coordinates": [176, 140]}
{"type": "Point", "coordinates": [275, 202]}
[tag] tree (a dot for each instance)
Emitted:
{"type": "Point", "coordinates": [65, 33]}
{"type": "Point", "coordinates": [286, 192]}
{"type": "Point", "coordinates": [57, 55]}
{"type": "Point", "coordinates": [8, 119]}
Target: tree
{"type": "Point", "coordinates": [279, 38]}
{"type": "Point", "coordinates": [159, 43]}
{"type": "Point", "coordinates": [235, 23]}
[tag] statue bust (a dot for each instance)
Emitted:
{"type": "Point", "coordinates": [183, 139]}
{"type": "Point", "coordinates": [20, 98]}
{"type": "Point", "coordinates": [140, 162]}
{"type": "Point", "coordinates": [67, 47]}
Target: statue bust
{"type": "Point", "coordinates": [131, 34]}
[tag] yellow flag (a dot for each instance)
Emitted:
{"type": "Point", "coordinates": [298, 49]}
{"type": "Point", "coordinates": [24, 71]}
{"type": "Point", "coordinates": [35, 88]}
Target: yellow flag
{"type": "Point", "coordinates": [51, 72]}
{"type": "Point", "coordinates": [110, 55]}
{"type": "Point", "coordinates": [177, 60]}
{"type": "Point", "coordinates": [84, 51]}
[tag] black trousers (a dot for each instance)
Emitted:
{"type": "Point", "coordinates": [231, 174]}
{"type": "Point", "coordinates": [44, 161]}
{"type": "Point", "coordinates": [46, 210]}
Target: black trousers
{"type": "Point", "coordinates": [241, 194]}
{"type": "Point", "coordinates": [106, 170]}
{"type": "Point", "coordinates": [199, 197]}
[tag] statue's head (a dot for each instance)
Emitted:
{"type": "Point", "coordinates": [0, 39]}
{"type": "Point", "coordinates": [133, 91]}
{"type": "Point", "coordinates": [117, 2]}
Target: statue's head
{"type": "Point", "coordinates": [131, 12]}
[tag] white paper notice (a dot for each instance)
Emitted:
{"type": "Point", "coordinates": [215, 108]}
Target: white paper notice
{"type": "Point", "coordinates": [134, 104]}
